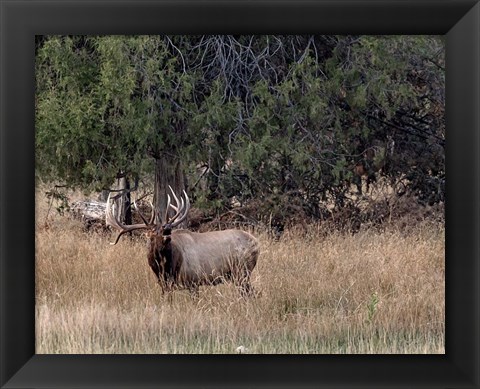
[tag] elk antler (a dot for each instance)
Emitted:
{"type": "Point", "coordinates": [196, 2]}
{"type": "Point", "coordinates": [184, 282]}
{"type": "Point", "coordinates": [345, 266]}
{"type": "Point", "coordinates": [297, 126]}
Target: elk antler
{"type": "Point", "coordinates": [152, 217]}
{"type": "Point", "coordinates": [111, 220]}
{"type": "Point", "coordinates": [181, 209]}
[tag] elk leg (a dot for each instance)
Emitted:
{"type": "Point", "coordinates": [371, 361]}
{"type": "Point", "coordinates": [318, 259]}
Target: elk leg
{"type": "Point", "coordinates": [170, 296]}
{"type": "Point", "coordinates": [194, 291]}
{"type": "Point", "coordinates": [243, 283]}
{"type": "Point", "coordinates": [155, 266]}
{"type": "Point", "coordinates": [248, 290]}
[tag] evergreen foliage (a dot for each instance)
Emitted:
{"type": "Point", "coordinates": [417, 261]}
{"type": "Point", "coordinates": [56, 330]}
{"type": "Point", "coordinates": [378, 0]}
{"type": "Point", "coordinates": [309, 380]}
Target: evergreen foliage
{"type": "Point", "coordinates": [283, 121]}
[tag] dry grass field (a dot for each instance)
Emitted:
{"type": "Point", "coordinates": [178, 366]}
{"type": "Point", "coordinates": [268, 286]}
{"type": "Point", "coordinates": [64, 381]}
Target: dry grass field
{"type": "Point", "coordinates": [370, 292]}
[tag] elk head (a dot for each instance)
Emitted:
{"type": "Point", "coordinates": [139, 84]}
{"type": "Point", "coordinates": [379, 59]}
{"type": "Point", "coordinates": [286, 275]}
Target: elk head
{"type": "Point", "coordinates": [181, 209]}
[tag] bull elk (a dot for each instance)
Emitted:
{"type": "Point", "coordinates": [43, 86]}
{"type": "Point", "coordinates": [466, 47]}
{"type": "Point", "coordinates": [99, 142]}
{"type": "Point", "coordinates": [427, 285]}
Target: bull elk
{"type": "Point", "coordinates": [182, 259]}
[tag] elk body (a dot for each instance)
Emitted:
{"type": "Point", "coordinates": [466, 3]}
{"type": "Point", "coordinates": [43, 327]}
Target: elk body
{"type": "Point", "coordinates": [186, 259]}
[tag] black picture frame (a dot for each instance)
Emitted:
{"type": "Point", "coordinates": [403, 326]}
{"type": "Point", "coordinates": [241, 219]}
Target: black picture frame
{"type": "Point", "coordinates": [20, 21]}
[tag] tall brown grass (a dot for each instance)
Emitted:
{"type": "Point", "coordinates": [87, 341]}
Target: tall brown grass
{"type": "Point", "coordinates": [338, 293]}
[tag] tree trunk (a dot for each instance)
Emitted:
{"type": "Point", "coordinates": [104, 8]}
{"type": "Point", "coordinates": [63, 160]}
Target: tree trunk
{"type": "Point", "coordinates": [167, 173]}
{"type": "Point", "coordinates": [124, 202]}
{"type": "Point", "coordinates": [103, 196]}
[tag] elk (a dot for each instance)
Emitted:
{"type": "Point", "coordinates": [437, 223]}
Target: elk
{"type": "Point", "coordinates": [182, 259]}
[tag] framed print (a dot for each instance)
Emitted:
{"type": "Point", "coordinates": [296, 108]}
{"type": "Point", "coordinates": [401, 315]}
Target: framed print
{"type": "Point", "coordinates": [24, 364]}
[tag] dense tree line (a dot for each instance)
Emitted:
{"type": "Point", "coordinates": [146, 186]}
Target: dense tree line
{"type": "Point", "coordinates": [285, 122]}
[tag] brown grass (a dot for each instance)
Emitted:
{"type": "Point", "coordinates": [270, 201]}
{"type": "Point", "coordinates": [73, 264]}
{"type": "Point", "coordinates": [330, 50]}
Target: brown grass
{"type": "Point", "coordinates": [365, 293]}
